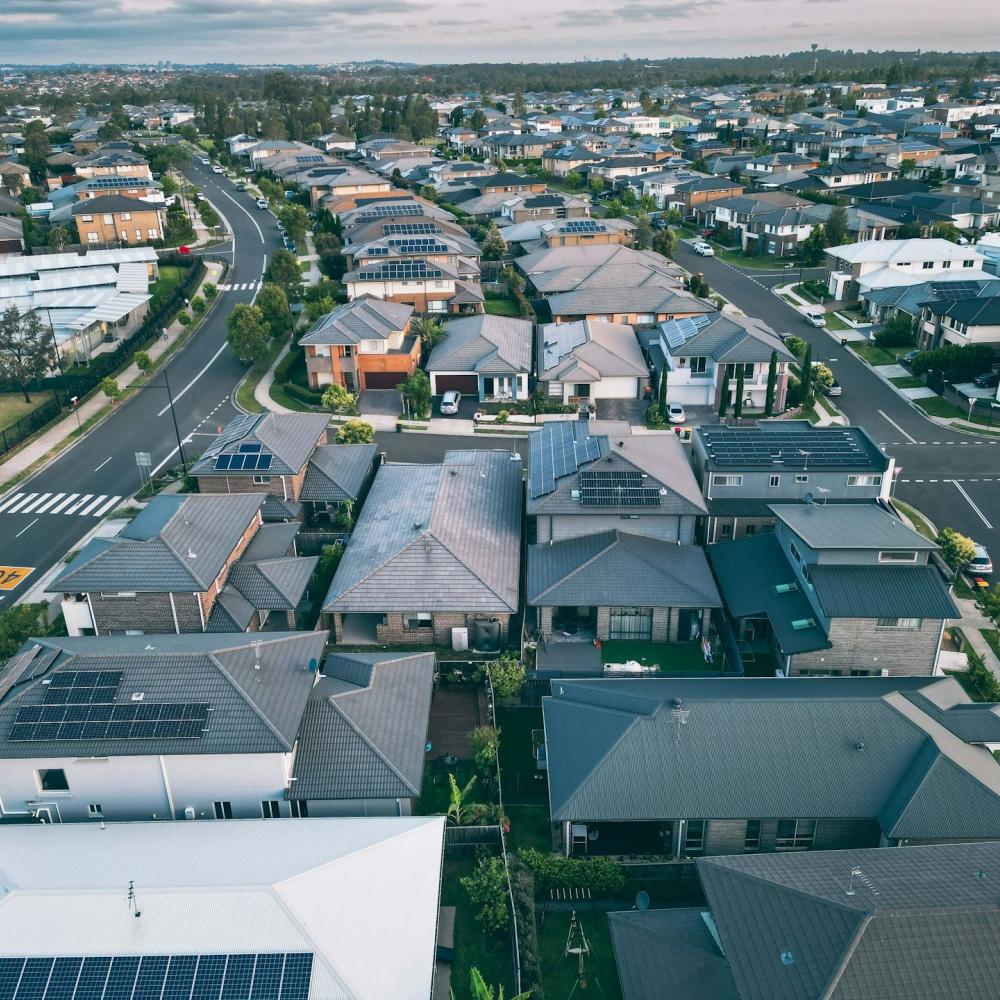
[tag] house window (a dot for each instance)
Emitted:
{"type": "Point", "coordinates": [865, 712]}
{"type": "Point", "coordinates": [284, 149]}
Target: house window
{"type": "Point", "coordinates": [727, 531]}
{"type": "Point", "coordinates": [153, 233]}
{"type": "Point", "coordinates": [886, 557]}
{"type": "Point", "coordinates": [795, 552]}
{"type": "Point", "coordinates": [968, 263]}
{"type": "Point", "coordinates": [928, 265]}
{"type": "Point", "coordinates": [53, 780]}
{"type": "Point", "coordinates": [774, 481]}
{"type": "Point", "coordinates": [864, 480]}
{"type": "Point", "coordinates": [261, 480]}
{"type": "Point", "coordinates": [801, 479]}
{"type": "Point", "coordinates": [698, 365]}
{"type": "Point", "coordinates": [801, 624]}
{"type": "Point", "coordinates": [223, 810]}
{"type": "Point", "coordinates": [91, 237]}
{"type": "Point", "coordinates": [727, 480]}
{"type": "Point", "coordinates": [751, 839]}
{"type": "Point", "coordinates": [86, 218]}
{"type": "Point", "coordinates": [108, 219]}
{"type": "Point", "coordinates": [300, 808]}
{"type": "Point", "coordinates": [946, 264]}
{"type": "Point", "coordinates": [795, 834]}
{"type": "Point", "coordinates": [95, 810]}
{"type": "Point", "coordinates": [904, 623]}
{"type": "Point", "coordinates": [126, 216]}
{"type": "Point", "coordinates": [418, 619]}
{"type": "Point", "coordinates": [270, 809]}
{"type": "Point", "coordinates": [694, 836]}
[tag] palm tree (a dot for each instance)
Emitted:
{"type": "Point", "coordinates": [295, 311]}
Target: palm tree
{"type": "Point", "coordinates": [481, 990]}
{"type": "Point", "coordinates": [429, 330]}
{"type": "Point", "coordinates": [457, 796]}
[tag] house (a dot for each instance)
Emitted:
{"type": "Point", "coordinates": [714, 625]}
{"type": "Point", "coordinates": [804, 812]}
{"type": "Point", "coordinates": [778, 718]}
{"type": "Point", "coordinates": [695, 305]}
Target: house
{"type": "Point", "coordinates": [836, 589]}
{"type": "Point", "coordinates": [435, 555]}
{"type": "Point", "coordinates": [264, 453]}
{"type": "Point", "coordinates": [218, 906]}
{"type": "Point", "coordinates": [568, 468]}
{"type": "Point", "coordinates": [458, 253]}
{"type": "Point", "coordinates": [424, 286]}
{"type": "Point", "coordinates": [113, 160]}
{"type": "Point", "coordinates": [705, 354]}
{"type": "Point", "coordinates": [551, 270]}
{"type": "Point", "coordinates": [743, 470]}
{"type": "Point", "coordinates": [14, 176]}
{"type": "Point", "coordinates": [237, 144]}
{"type": "Point", "coordinates": [11, 236]}
{"type": "Point", "coordinates": [909, 300]}
{"type": "Point", "coordinates": [551, 205]}
{"type": "Point", "coordinates": [960, 322]}
{"type": "Point", "coordinates": [688, 768]}
{"type": "Point", "coordinates": [857, 267]}
{"type": "Point", "coordinates": [587, 232]}
{"type": "Point", "coordinates": [787, 927]}
{"type": "Point", "coordinates": [638, 306]}
{"type": "Point", "coordinates": [567, 160]}
{"type": "Point", "coordinates": [694, 196]}
{"type": "Point", "coordinates": [848, 173]}
{"type": "Point", "coordinates": [334, 142]}
{"type": "Point", "coordinates": [338, 477]}
{"type": "Point", "coordinates": [187, 563]}
{"type": "Point", "coordinates": [486, 357]}
{"type": "Point", "coordinates": [587, 360]}
{"type": "Point", "coordinates": [363, 344]}
{"type": "Point", "coordinates": [114, 218]}
{"type": "Point", "coordinates": [517, 147]}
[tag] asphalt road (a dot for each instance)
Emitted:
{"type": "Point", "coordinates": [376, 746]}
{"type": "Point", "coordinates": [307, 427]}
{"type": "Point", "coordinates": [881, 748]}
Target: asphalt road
{"type": "Point", "coordinates": [953, 478]}
{"type": "Point", "coordinates": [100, 471]}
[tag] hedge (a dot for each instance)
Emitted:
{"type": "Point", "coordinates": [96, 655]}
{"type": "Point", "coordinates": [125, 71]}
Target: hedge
{"type": "Point", "coordinates": [308, 396]}
{"type": "Point", "coordinates": [522, 885]}
{"type": "Point", "coordinates": [601, 876]}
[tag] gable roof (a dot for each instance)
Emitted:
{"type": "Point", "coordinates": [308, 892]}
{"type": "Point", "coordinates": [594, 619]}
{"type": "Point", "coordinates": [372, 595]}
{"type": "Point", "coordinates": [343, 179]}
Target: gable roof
{"type": "Point", "coordinates": [436, 538]}
{"type": "Point", "coordinates": [483, 343]}
{"type": "Point", "coordinates": [891, 591]}
{"type": "Point", "coordinates": [338, 472]}
{"type": "Point", "coordinates": [725, 339]}
{"type": "Point", "coordinates": [273, 584]}
{"type": "Point", "coordinates": [114, 204]}
{"type": "Point", "coordinates": [849, 526]}
{"type": "Point", "coordinates": [363, 318]}
{"type": "Point", "coordinates": [589, 350]}
{"type": "Point", "coordinates": [365, 726]}
{"type": "Point", "coordinates": [289, 438]}
{"type": "Point", "coordinates": [611, 301]}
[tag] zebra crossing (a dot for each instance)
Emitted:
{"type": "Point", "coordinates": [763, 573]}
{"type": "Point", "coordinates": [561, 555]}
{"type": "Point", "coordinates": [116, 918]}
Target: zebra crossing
{"type": "Point", "coordinates": [80, 504]}
{"type": "Point", "coordinates": [236, 286]}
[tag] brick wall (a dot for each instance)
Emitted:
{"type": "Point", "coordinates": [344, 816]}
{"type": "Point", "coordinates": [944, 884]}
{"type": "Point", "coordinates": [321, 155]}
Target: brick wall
{"type": "Point", "coordinates": [859, 644]}
{"type": "Point", "coordinates": [661, 624]}
{"type": "Point", "coordinates": [289, 487]}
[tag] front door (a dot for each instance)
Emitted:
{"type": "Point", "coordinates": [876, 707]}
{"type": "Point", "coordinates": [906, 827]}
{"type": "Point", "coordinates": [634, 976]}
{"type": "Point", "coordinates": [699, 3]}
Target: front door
{"type": "Point", "coordinates": [488, 388]}
{"type": "Point", "coordinates": [349, 381]}
{"type": "Point", "coordinates": [688, 625]}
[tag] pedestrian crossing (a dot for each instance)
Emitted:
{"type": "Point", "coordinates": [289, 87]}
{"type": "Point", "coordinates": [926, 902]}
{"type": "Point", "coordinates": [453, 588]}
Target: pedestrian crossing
{"type": "Point", "coordinates": [236, 286]}
{"type": "Point", "coordinates": [80, 504]}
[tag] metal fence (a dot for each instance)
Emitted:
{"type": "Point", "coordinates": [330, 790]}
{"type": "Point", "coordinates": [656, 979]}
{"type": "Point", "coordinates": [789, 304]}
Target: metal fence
{"type": "Point", "coordinates": [20, 430]}
{"type": "Point", "coordinates": [464, 841]}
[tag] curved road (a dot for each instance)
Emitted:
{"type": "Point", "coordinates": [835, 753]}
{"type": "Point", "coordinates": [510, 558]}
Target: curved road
{"type": "Point", "coordinates": [202, 377]}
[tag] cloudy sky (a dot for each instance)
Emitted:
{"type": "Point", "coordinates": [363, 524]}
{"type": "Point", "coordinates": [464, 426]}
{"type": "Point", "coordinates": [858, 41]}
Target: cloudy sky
{"type": "Point", "coordinates": [286, 31]}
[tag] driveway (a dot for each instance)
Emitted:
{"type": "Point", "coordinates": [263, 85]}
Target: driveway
{"type": "Point", "coordinates": [467, 409]}
{"type": "Point", "coordinates": [632, 411]}
{"type": "Point", "coordinates": [384, 401]}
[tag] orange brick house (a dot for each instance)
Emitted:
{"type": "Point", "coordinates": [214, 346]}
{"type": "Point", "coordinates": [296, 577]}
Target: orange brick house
{"type": "Point", "coordinates": [114, 218]}
{"type": "Point", "coordinates": [363, 344]}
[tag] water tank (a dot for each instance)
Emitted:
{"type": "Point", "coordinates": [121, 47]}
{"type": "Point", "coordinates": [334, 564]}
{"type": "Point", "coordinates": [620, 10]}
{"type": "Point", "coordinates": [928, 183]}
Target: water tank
{"type": "Point", "coordinates": [460, 638]}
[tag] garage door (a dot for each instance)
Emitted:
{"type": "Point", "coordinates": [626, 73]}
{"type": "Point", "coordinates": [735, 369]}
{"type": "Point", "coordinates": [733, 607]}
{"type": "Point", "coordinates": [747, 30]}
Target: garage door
{"type": "Point", "coordinates": [461, 383]}
{"type": "Point", "coordinates": [383, 380]}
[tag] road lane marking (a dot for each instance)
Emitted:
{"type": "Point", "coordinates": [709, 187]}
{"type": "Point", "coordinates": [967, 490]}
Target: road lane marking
{"type": "Point", "coordinates": [104, 463]}
{"type": "Point", "coordinates": [28, 508]}
{"type": "Point", "coordinates": [53, 498]}
{"type": "Point", "coordinates": [106, 507]}
{"type": "Point", "coordinates": [971, 503]}
{"type": "Point", "coordinates": [63, 503]}
{"type": "Point", "coordinates": [20, 503]}
{"type": "Point", "coordinates": [86, 499]}
{"type": "Point", "coordinates": [889, 420]}
{"type": "Point", "coordinates": [13, 576]}
{"type": "Point", "coordinates": [83, 512]}
{"type": "Point", "coordinates": [25, 528]}
{"type": "Point", "coordinates": [260, 232]}
{"type": "Point", "coordinates": [9, 501]}
{"type": "Point", "coordinates": [208, 364]}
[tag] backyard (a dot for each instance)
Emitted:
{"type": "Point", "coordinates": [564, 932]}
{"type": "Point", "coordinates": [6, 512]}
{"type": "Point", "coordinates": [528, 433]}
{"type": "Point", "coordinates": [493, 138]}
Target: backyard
{"type": "Point", "coordinates": [670, 657]}
{"type": "Point", "coordinates": [501, 306]}
{"type": "Point", "coordinates": [169, 277]}
{"type": "Point", "coordinates": [560, 972]}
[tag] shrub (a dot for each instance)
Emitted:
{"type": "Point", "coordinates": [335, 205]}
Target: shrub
{"type": "Point", "coordinates": [522, 885]}
{"type": "Point", "coordinates": [198, 304]}
{"type": "Point", "coordinates": [506, 675]}
{"type": "Point", "coordinates": [487, 888]}
{"type": "Point", "coordinates": [143, 361]}
{"type": "Point", "coordinates": [302, 394]}
{"type": "Point", "coordinates": [796, 345]}
{"type": "Point", "coordinates": [502, 417]}
{"type": "Point", "coordinates": [897, 332]}
{"type": "Point", "coordinates": [184, 318]}
{"type": "Point", "coordinates": [209, 290]}
{"type": "Point", "coordinates": [600, 875]}
{"type": "Point", "coordinates": [956, 550]}
{"type": "Point", "coordinates": [485, 742]}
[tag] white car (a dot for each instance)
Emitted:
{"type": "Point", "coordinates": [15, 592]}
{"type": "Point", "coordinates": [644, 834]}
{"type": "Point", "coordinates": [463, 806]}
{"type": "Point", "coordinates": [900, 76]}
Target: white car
{"type": "Point", "coordinates": [218, 169]}
{"type": "Point", "coordinates": [816, 318]}
{"type": "Point", "coordinates": [205, 161]}
{"type": "Point", "coordinates": [450, 402]}
{"type": "Point", "coordinates": [262, 203]}
{"type": "Point", "coordinates": [981, 564]}
{"type": "Point", "coordinates": [676, 414]}
{"type": "Point", "coordinates": [703, 249]}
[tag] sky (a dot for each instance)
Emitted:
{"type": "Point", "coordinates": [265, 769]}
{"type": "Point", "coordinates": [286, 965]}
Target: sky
{"type": "Point", "coordinates": [425, 31]}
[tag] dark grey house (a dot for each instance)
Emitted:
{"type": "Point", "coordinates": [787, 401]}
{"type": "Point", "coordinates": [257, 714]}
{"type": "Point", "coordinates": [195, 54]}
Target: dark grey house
{"type": "Point", "coordinates": [681, 768]}
{"type": "Point", "coordinates": [917, 923]}
{"type": "Point", "coordinates": [743, 470]}
{"type": "Point", "coordinates": [338, 475]}
{"type": "Point", "coordinates": [836, 589]}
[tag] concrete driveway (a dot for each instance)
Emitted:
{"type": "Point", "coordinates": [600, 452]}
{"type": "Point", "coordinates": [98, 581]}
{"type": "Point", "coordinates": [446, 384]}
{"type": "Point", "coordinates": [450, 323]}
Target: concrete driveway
{"type": "Point", "coordinates": [383, 401]}
{"type": "Point", "coordinates": [632, 411]}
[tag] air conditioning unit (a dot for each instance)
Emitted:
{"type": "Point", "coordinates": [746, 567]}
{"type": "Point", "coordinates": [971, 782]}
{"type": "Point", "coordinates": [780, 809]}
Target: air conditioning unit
{"type": "Point", "coordinates": [189, 812]}
{"type": "Point", "coordinates": [460, 638]}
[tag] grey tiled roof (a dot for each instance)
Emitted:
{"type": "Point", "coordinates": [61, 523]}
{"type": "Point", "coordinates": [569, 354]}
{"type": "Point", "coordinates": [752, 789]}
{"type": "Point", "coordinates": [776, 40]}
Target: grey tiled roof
{"type": "Point", "coordinates": [644, 299]}
{"type": "Point", "coordinates": [231, 612]}
{"type": "Point", "coordinates": [617, 569]}
{"type": "Point", "coordinates": [816, 747]}
{"type": "Point", "coordinates": [364, 728]}
{"type": "Point", "coordinates": [289, 438]}
{"type": "Point", "coordinates": [253, 711]}
{"type": "Point", "coordinates": [882, 592]}
{"type": "Point", "coordinates": [175, 544]}
{"type": "Point", "coordinates": [273, 584]}
{"type": "Point", "coordinates": [849, 526]}
{"type": "Point", "coordinates": [919, 923]}
{"type": "Point", "coordinates": [364, 318]}
{"type": "Point", "coordinates": [735, 340]}
{"type": "Point", "coordinates": [276, 509]}
{"type": "Point", "coordinates": [489, 344]}
{"type": "Point", "coordinates": [436, 538]}
{"type": "Point", "coordinates": [589, 350]}
{"type": "Point", "coordinates": [338, 472]}
{"type": "Point", "coordinates": [272, 541]}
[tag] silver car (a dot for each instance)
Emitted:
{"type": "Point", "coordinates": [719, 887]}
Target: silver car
{"type": "Point", "coordinates": [450, 402]}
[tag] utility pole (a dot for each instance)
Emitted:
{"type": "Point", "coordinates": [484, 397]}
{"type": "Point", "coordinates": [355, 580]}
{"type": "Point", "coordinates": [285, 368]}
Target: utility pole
{"type": "Point", "coordinates": [173, 417]}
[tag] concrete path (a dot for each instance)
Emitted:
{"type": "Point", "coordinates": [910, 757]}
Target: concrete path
{"type": "Point", "coordinates": [313, 276]}
{"type": "Point", "coordinates": [972, 621]}
{"type": "Point", "coordinates": [263, 391]}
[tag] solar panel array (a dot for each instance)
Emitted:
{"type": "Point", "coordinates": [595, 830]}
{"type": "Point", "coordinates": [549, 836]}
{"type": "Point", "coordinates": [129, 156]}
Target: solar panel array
{"type": "Point", "coordinates": [239, 428]}
{"type": "Point", "coordinates": [558, 450]}
{"type": "Point", "coordinates": [953, 291]}
{"type": "Point", "coordinates": [158, 977]}
{"type": "Point", "coordinates": [82, 687]}
{"type": "Point", "coordinates": [409, 228]}
{"type": "Point", "coordinates": [830, 448]}
{"type": "Point", "coordinates": [401, 270]}
{"type": "Point", "coordinates": [117, 182]}
{"type": "Point", "coordinates": [242, 463]}
{"type": "Point", "coordinates": [417, 245]}
{"type": "Point", "coordinates": [677, 332]}
{"type": "Point", "coordinates": [583, 226]}
{"type": "Point", "coordinates": [617, 488]}
{"type": "Point", "coordinates": [375, 252]}
{"type": "Point", "coordinates": [131, 721]}
{"type": "Point", "coordinates": [391, 208]}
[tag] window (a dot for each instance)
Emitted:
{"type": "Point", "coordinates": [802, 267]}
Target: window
{"type": "Point", "coordinates": [795, 552]}
{"type": "Point", "coordinates": [223, 810]}
{"type": "Point", "coordinates": [864, 480]}
{"type": "Point", "coordinates": [946, 264]}
{"type": "Point", "coordinates": [126, 216]}
{"type": "Point", "coordinates": [727, 480]}
{"type": "Point", "coordinates": [908, 623]}
{"type": "Point", "coordinates": [153, 233]}
{"type": "Point", "coordinates": [300, 808]}
{"type": "Point", "coordinates": [91, 237]}
{"type": "Point", "coordinates": [727, 531]}
{"type": "Point", "coordinates": [968, 263]}
{"type": "Point", "coordinates": [261, 480]}
{"type": "Point", "coordinates": [270, 809]}
{"type": "Point", "coordinates": [928, 265]}
{"type": "Point", "coordinates": [108, 219]}
{"type": "Point", "coordinates": [795, 834]}
{"type": "Point", "coordinates": [417, 619]}
{"type": "Point", "coordinates": [694, 836]}
{"type": "Point", "coordinates": [801, 479]}
{"type": "Point", "coordinates": [801, 624]}
{"type": "Point", "coordinates": [95, 810]}
{"type": "Point", "coordinates": [751, 839]}
{"type": "Point", "coordinates": [901, 556]}
{"type": "Point", "coordinates": [53, 780]}
{"type": "Point", "coordinates": [698, 365]}
{"type": "Point", "coordinates": [774, 481]}
{"type": "Point", "coordinates": [750, 529]}
{"type": "Point", "coordinates": [86, 218]}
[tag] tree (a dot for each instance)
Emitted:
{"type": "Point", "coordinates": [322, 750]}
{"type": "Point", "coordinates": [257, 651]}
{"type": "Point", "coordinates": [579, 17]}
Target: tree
{"type": "Point", "coordinates": [807, 381]}
{"type": "Point", "coordinates": [416, 390]}
{"type": "Point", "coordinates": [338, 400]}
{"type": "Point", "coordinates": [487, 888]}
{"type": "Point", "coordinates": [956, 550]}
{"type": "Point", "coordinates": [27, 348]}
{"type": "Point", "coordinates": [431, 331]}
{"type": "Point", "coordinates": [836, 227]}
{"type": "Point", "coordinates": [724, 394]}
{"type": "Point", "coordinates": [273, 305]}
{"type": "Point", "coordinates": [479, 989]}
{"type": "Point", "coordinates": [988, 603]}
{"type": "Point", "coordinates": [457, 798]}
{"type": "Point", "coordinates": [813, 247]}
{"type": "Point", "coordinates": [478, 120]}
{"type": "Point", "coordinates": [735, 174]}
{"type": "Point", "coordinates": [822, 376]}
{"type": "Point", "coordinates": [295, 219]}
{"type": "Point", "coordinates": [111, 388]}
{"type": "Point", "coordinates": [643, 234]}
{"type": "Point", "coordinates": [575, 180]}
{"type": "Point", "coordinates": [907, 167]}
{"type": "Point", "coordinates": [109, 132]}
{"type": "Point", "coordinates": [661, 396]}
{"type": "Point", "coordinates": [506, 675]}
{"type": "Point", "coordinates": [143, 361]}
{"type": "Point", "coordinates": [796, 345]}
{"type": "Point", "coordinates": [494, 246]}
{"type": "Point", "coordinates": [19, 623]}
{"type": "Point", "coordinates": [246, 333]}
{"type": "Point", "coordinates": [595, 183]}
{"type": "Point", "coordinates": [665, 242]}
{"type": "Point", "coordinates": [356, 432]}
{"type": "Point", "coordinates": [738, 401]}
{"type": "Point", "coordinates": [896, 332]}
{"type": "Point", "coordinates": [772, 381]}
{"type": "Point", "coordinates": [59, 236]}
{"type": "Point", "coordinates": [283, 270]}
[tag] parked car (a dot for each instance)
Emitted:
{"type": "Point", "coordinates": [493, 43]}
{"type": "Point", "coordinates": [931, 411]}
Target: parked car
{"type": "Point", "coordinates": [241, 186]}
{"type": "Point", "coordinates": [676, 414]}
{"type": "Point", "coordinates": [988, 380]}
{"type": "Point", "coordinates": [816, 317]}
{"type": "Point", "coordinates": [450, 402]}
{"type": "Point", "coordinates": [834, 389]}
{"type": "Point", "coordinates": [702, 249]}
{"type": "Point", "coordinates": [218, 169]}
{"type": "Point", "coordinates": [910, 356]}
{"type": "Point", "coordinates": [291, 247]}
{"type": "Point", "coordinates": [982, 564]}
{"type": "Point", "coordinates": [262, 203]}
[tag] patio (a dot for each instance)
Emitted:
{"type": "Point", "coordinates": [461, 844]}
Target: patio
{"type": "Point", "coordinates": [668, 657]}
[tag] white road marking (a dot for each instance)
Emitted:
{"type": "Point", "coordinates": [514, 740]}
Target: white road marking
{"type": "Point", "coordinates": [20, 503]}
{"type": "Point", "coordinates": [971, 503]}
{"type": "Point", "coordinates": [63, 503]}
{"type": "Point", "coordinates": [889, 420]}
{"type": "Point", "coordinates": [87, 497]}
{"type": "Point", "coordinates": [9, 501]}
{"type": "Point", "coordinates": [90, 506]}
{"type": "Point", "coordinates": [106, 507]}
{"type": "Point", "coordinates": [48, 503]}
{"type": "Point", "coordinates": [25, 528]}
{"type": "Point", "coordinates": [104, 463]}
{"type": "Point", "coordinates": [208, 364]}
{"type": "Point", "coordinates": [226, 194]}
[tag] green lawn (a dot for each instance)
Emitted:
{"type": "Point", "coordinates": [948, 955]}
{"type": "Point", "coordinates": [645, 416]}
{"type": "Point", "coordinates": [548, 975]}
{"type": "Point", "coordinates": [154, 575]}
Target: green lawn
{"type": "Point", "coordinates": [245, 393]}
{"type": "Point", "coordinates": [435, 795]}
{"type": "Point", "coordinates": [169, 277]}
{"type": "Point", "coordinates": [835, 323]}
{"type": "Point", "coordinates": [13, 407]}
{"type": "Point", "coordinates": [919, 523]}
{"type": "Point", "coordinates": [935, 406]}
{"type": "Point", "coordinates": [670, 657]}
{"type": "Point", "coordinates": [502, 307]}
{"type": "Point", "coordinates": [735, 257]}
{"type": "Point", "coordinates": [907, 382]}
{"type": "Point", "coordinates": [875, 356]}
{"type": "Point", "coordinates": [992, 637]}
{"type": "Point", "coordinates": [529, 827]}
{"type": "Point", "coordinates": [961, 589]}
{"type": "Point", "coordinates": [517, 764]}
{"type": "Point", "coordinates": [560, 971]}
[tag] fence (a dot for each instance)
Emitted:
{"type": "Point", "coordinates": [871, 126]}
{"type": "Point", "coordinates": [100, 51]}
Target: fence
{"type": "Point", "coordinates": [661, 871]}
{"type": "Point", "coordinates": [21, 430]}
{"type": "Point", "coordinates": [311, 543]}
{"type": "Point", "coordinates": [464, 841]}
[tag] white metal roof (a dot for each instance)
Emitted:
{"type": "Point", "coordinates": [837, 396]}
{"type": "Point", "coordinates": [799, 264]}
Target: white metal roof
{"type": "Point", "coordinates": [36, 263]}
{"type": "Point", "coordinates": [360, 894]}
{"type": "Point", "coordinates": [886, 251]}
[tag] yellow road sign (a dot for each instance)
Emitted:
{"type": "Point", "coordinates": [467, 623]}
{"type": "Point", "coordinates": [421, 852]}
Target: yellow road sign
{"type": "Point", "coordinates": [13, 576]}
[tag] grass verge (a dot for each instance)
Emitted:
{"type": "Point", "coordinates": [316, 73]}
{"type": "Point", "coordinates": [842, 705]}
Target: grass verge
{"type": "Point", "coordinates": [907, 382]}
{"type": "Point", "coordinates": [992, 637]}
{"type": "Point", "coordinates": [245, 393]}
{"type": "Point", "coordinates": [920, 524]}
{"type": "Point", "coordinates": [935, 406]}
{"type": "Point", "coordinates": [875, 356]}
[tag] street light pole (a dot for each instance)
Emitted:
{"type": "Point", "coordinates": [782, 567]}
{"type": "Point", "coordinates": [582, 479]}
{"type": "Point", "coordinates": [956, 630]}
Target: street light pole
{"type": "Point", "coordinates": [173, 417]}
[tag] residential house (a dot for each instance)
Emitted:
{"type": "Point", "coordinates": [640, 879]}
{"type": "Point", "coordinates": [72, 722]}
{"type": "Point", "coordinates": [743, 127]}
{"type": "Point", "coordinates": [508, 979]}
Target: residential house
{"type": "Point", "coordinates": [662, 185]}
{"type": "Point", "coordinates": [848, 173]}
{"type": "Point", "coordinates": [585, 232]}
{"type": "Point", "coordinates": [485, 357]}
{"type": "Point", "coordinates": [615, 168]}
{"type": "Point", "coordinates": [237, 144]}
{"type": "Point", "coordinates": [219, 906]}
{"type": "Point", "coordinates": [744, 470]}
{"type": "Point", "coordinates": [568, 159]}
{"type": "Point", "coordinates": [784, 927]}
{"type": "Point", "coordinates": [340, 188]}
{"type": "Point", "coordinates": [551, 270]}
{"type": "Point", "coordinates": [551, 205]}
{"type": "Point", "coordinates": [909, 300]}
{"type": "Point", "coordinates": [776, 163]}
{"type": "Point", "coordinates": [694, 197]}
{"type": "Point", "coordinates": [960, 322]}
{"type": "Point", "coordinates": [265, 453]}
{"type": "Point", "coordinates": [11, 236]}
{"type": "Point", "coordinates": [418, 283]}
{"type": "Point", "coordinates": [689, 768]}
{"type": "Point", "coordinates": [338, 477]}
{"type": "Point", "coordinates": [518, 147]}
{"type": "Point", "coordinates": [114, 218]}
{"type": "Point", "coordinates": [14, 176]}
{"type": "Point", "coordinates": [113, 160]}
{"type": "Point", "coordinates": [335, 142]}
{"type": "Point", "coordinates": [187, 563]}
{"type": "Point", "coordinates": [837, 589]}
{"type": "Point", "coordinates": [435, 555]}
{"type": "Point", "coordinates": [640, 307]}
{"type": "Point", "coordinates": [459, 253]}
{"type": "Point", "coordinates": [586, 360]}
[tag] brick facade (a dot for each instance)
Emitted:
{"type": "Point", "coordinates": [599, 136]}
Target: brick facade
{"type": "Point", "coordinates": [285, 487]}
{"type": "Point", "coordinates": [393, 632]}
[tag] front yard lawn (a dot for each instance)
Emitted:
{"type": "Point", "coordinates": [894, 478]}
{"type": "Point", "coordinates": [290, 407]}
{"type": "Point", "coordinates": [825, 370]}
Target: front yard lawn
{"type": "Point", "coordinates": [920, 524]}
{"type": "Point", "coordinates": [560, 971]}
{"type": "Point", "coordinates": [835, 323]}
{"type": "Point", "coordinates": [875, 356]}
{"type": "Point", "coordinates": [935, 406]}
{"type": "Point", "coordinates": [670, 657]}
{"type": "Point", "coordinates": [907, 382]}
{"type": "Point", "coordinates": [168, 278]}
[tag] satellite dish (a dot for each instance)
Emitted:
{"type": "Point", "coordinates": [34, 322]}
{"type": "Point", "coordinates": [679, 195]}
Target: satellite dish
{"type": "Point", "coordinates": [807, 498]}
{"type": "Point", "coordinates": [642, 900]}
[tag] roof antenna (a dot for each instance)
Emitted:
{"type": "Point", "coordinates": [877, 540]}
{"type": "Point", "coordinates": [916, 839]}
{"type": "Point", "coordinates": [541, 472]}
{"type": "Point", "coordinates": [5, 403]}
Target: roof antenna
{"type": "Point", "coordinates": [133, 901]}
{"type": "Point", "coordinates": [256, 654]}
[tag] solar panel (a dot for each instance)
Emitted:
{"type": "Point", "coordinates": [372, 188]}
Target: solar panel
{"type": "Point", "coordinates": [558, 450]}
{"type": "Point", "coordinates": [129, 721]}
{"type": "Point", "coordinates": [392, 208]}
{"type": "Point", "coordinates": [409, 228]}
{"type": "Point", "coordinates": [821, 448]}
{"type": "Point", "coordinates": [247, 448]}
{"type": "Point", "coordinates": [222, 462]}
{"type": "Point", "coordinates": [237, 461]}
{"type": "Point", "coordinates": [376, 252]}
{"type": "Point", "coordinates": [583, 226]}
{"type": "Point", "coordinates": [239, 428]}
{"type": "Point", "coordinates": [158, 977]}
{"type": "Point", "coordinates": [418, 245]}
{"type": "Point", "coordinates": [606, 478]}
{"type": "Point", "coordinates": [401, 270]}
{"type": "Point", "coordinates": [264, 462]}
{"type": "Point", "coordinates": [82, 687]}
{"type": "Point", "coordinates": [621, 496]}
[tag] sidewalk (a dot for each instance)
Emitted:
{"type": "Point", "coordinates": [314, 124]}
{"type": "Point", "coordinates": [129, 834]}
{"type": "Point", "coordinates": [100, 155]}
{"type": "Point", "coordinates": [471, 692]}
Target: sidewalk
{"type": "Point", "coordinates": [262, 393]}
{"type": "Point", "coordinates": [39, 447]}
{"type": "Point", "coordinates": [313, 276]}
{"type": "Point", "coordinates": [972, 621]}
